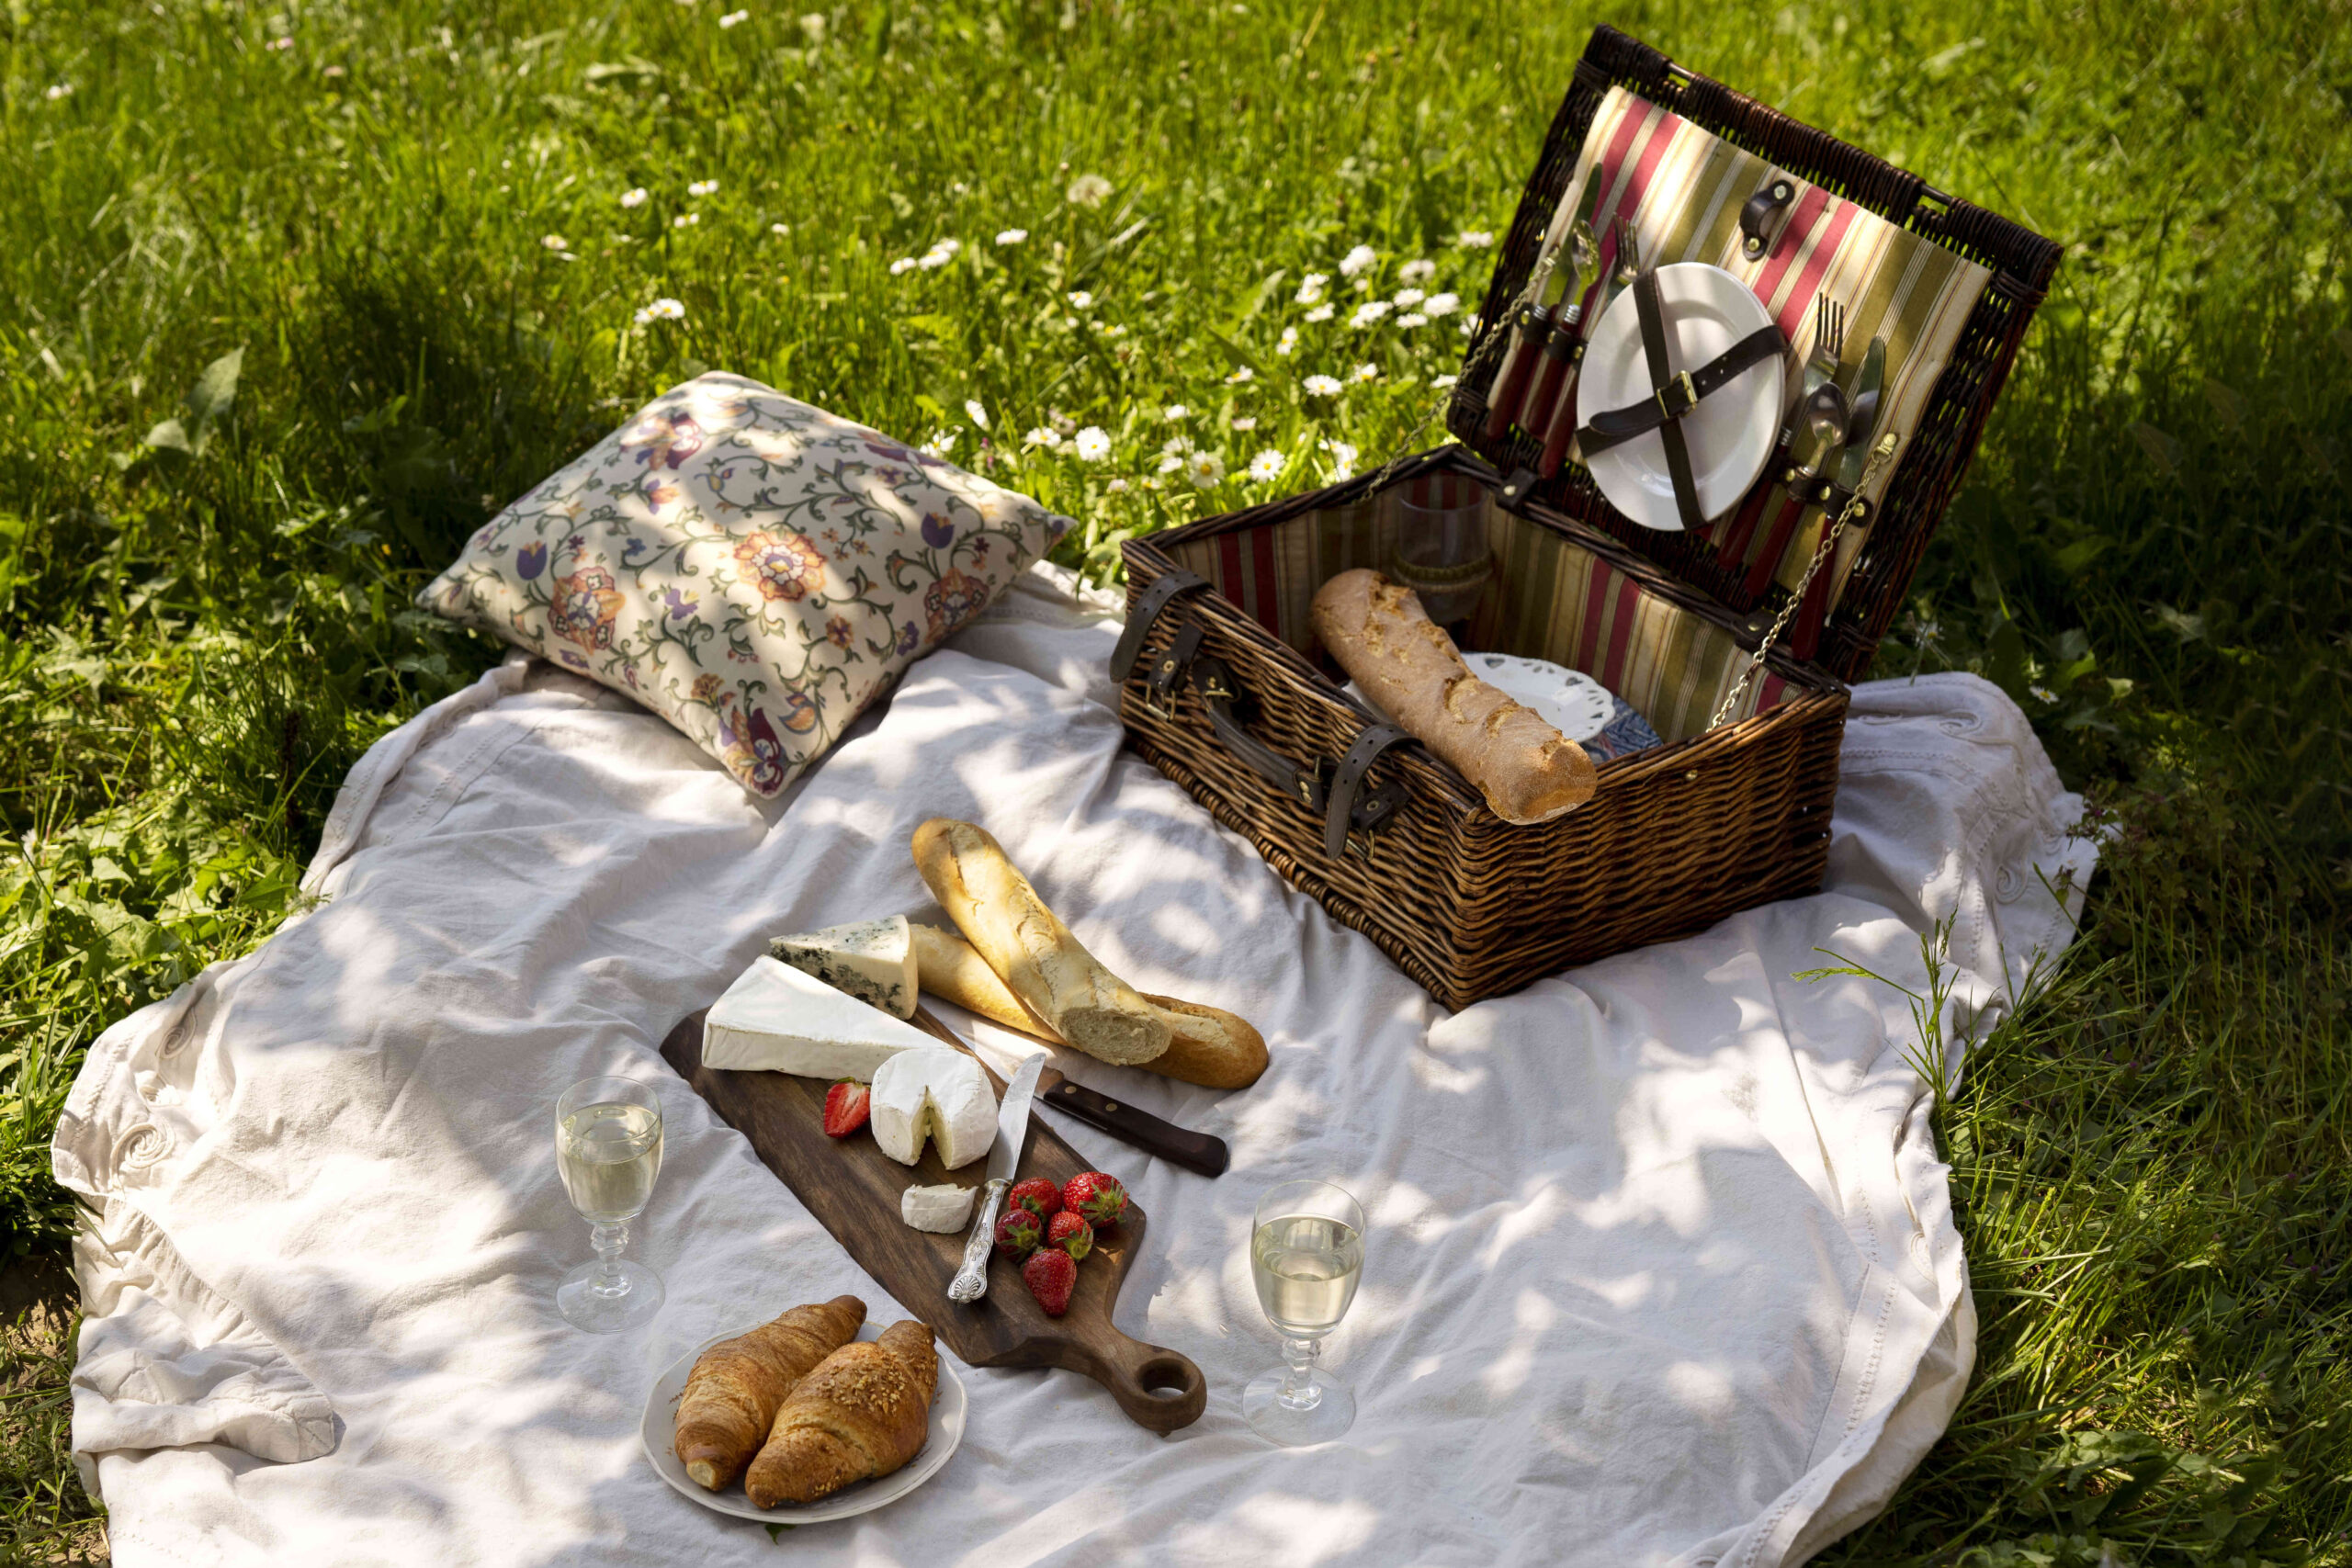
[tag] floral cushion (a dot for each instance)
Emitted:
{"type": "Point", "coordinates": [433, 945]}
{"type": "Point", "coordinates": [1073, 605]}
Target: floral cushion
{"type": "Point", "coordinates": [754, 569]}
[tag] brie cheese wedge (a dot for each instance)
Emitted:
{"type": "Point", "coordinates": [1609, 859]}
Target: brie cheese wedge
{"type": "Point", "coordinates": [777, 1018]}
{"type": "Point", "coordinates": [872, 961]}
{"type": "Point", "coordinates": [938, 1094]}
{"type": "Point", "coordinates": [943, 1209]}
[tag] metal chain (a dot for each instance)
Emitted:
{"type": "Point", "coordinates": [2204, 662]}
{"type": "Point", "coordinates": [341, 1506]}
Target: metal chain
{"type": "Point", "coordinates": [1853, 509]}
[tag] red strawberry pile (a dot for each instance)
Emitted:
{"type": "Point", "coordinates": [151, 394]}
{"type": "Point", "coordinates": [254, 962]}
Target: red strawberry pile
{"type": "Point", "coordinates": [1046, 1230]}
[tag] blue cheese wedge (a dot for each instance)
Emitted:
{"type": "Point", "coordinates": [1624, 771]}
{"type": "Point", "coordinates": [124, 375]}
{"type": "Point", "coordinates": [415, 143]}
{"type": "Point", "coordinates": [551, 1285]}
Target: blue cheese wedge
{"type": "Point", "coordinates": [780, 1019]}
{"type": "Point", "coordinates": [938, 1094]}
{"type": "Point", "coordinates": [872, 960]}
{"type": "Point", "coordinates": [945, 1209]}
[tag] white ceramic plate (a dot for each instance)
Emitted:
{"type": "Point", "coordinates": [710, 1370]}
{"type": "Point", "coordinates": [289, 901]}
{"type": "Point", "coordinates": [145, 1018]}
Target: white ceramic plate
{"type": "Point", "coordinates": [947, 1408]}
{"type": "Point", "coordinates": [1568, 700]}
{"type": "Point", "coordinates": [1730, 433]}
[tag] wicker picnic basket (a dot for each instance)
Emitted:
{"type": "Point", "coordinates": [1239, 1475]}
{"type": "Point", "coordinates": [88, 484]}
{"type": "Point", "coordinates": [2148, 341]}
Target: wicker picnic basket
{"type": "Point", "coordinates": [1224, 689]}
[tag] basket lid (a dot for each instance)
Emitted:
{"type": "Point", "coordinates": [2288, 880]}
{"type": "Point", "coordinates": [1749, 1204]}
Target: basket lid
{"type": "Point", "coordinates": [1683, 153]}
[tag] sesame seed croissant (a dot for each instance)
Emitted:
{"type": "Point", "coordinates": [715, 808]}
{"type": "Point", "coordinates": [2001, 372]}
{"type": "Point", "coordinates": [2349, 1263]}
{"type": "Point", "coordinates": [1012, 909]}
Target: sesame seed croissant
{"type": "Point", "coordinates": [864, 1413]}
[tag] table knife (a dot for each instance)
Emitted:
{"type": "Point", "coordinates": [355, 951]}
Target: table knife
{"type": "Point", "coordinates": [1861, 425]}
{"type": "Point", "coordinates": [1546, 287]}
{"type": "Point", "coordinates": [972, 1282]}
{"type": "Point", "coordinates": [1556, 425]}
{"type": "Point", "coordinates": [1560, 344]}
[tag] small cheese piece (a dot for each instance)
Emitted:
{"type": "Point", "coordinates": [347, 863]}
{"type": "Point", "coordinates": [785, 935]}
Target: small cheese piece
{"type": "Point", "coordinates": [774, 1016]}
{"type": "Point", "coordinates": [943, 1209]}
{"type": "Point", "coordinates": [872, 961]}
{"type": "Point", "coordinates": [938, 1094]}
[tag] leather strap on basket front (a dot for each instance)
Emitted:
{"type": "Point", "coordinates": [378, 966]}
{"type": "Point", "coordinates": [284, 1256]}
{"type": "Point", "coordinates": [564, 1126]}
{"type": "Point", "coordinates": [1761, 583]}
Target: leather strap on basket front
{"type": "Point", "coordinates": [1142, 613]}
{"type": "Point", "coordinates": [1339, 812]}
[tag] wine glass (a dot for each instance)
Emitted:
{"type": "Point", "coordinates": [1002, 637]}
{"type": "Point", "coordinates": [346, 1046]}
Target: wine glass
{"type": "Point", "coordinates": [1442, 552]}
{"type": "Point", "coordinates": [608, 1146]}
{"type": "Point", "coordinates": [1307, 1253]}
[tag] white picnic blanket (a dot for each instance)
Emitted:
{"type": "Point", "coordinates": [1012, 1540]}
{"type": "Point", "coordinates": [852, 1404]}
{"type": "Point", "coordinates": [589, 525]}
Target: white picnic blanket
{"type": "Point", "coordinates": [1661, 1268]}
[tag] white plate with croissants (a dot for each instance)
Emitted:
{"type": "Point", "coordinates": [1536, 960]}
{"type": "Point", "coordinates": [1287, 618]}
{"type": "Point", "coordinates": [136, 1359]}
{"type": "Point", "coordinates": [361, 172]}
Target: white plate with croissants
{"type": "Point", "coordinates": [817, 1414]}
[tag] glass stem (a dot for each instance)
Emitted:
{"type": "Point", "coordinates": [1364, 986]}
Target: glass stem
{"type": "Point", "coordinates": [609, 1240]}
{"type": "Point", "coordinates": [1299, 1391]}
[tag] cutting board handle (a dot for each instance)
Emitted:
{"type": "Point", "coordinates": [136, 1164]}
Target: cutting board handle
{"type": "Point", "coordinates": [1158, 1388]}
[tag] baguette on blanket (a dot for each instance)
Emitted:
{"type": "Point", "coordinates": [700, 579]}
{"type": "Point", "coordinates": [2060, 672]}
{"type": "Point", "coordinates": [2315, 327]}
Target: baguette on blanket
{"type": "Point", "coordinates": [1528, 771]}
{"type": "Point", "coordinates": [864, 1413]}
{"type": "Point", "coordinates": [1206, 1045]}
{"type": "Point", "coordinates": [738, 1385]}
{"type": "Point", "coordinates": [1038, 959]}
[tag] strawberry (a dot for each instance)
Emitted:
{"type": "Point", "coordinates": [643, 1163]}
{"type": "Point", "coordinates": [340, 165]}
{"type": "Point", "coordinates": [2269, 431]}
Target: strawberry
{"type": "Point", "coordinates": [1098, 1197]}
{"type": "Point", "coordinates": [1038, 1195]}
{"type": "Point", "coordinates": [1071, 1234]}
{"type": "Point", "coordinates": [847, 1105]}
{"type": "Point", "coordinates": [1018, 1235]}
{"type": "Point", "coordinates": [1050, 1276]}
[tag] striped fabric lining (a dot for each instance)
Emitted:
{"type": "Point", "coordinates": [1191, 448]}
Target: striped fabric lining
{"type": "Point", "coordinates": [1683, 187]}
{"type": "Point", "coordinates": [1549, 599]}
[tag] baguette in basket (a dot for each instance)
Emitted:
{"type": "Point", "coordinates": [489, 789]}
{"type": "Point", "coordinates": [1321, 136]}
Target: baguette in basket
{"type": "Point", "coordinates": [1528, 771]}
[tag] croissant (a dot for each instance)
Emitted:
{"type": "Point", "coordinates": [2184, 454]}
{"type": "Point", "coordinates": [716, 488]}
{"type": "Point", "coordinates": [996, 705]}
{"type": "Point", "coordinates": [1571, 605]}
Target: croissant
{"type": "Point", "coordinates": [732, 1394]}
{"type": "Point", "coordinates": [863, 1414]}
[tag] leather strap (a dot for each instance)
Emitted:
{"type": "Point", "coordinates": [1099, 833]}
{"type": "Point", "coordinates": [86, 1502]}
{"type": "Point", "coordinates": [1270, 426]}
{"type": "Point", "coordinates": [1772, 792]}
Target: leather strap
{"type": "Point", "coordinates": [1651, 311]}
{"type": "Point", "coordinates": [1218, 691]}
{"type": "Point", "coordinates": [1142, 613]}
{"type": "Point", "coordinates": [1342, 814]}
{"type": "Point", "coordinates": [1673, 400]}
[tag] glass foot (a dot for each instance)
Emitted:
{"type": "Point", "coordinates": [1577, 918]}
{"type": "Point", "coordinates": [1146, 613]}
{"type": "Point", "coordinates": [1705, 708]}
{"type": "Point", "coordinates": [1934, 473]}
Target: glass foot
{"type": "Point", "coordinates": [588, 1301]}
{"type": "Point", "coordinates": [1326, 1410]}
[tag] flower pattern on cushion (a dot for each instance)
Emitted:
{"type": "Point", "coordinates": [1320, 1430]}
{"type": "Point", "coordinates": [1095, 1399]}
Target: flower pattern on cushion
{"type": "Point", "coordinates": [753, 569]}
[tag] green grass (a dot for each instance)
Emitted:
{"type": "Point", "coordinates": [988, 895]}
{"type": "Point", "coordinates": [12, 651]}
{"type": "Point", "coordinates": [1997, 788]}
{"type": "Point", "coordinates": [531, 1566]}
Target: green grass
{"type": "Point", "coordinates": [201, 628]}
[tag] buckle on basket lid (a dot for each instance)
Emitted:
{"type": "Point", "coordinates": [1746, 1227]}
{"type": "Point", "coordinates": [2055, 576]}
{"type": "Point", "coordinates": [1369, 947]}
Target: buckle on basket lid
{"type": "Point", "coordinates": [1686, 395]}
{"type": "Point", "coordinates": [1159, 687]}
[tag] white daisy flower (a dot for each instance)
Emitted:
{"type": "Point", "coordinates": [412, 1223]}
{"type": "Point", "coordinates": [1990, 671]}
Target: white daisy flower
{"type": "Point", "coordinates": [1116, 486]}
{"type": "Point", "coordinates": [934, 257]}
{"type": "Point", "coordinates": [685, 221]}
{"type": "Point", "coordinates": [1089, 190]}
{"type": "Point", "coordinates": [904, 263]}
{"type": "Point", "coordinates": [779, 228]}
{"type": "Point", "coordinates": [1171, 463]}
{"type": "Point", "coordinates": [1322, 386]}
{"type": "Point", "coordinates": [1080, 300]}
{"type": "Point", "coordinates": [1356, 261]}
{"type": "Point", "coordinates": [1343, 458]}
{"type": "Point", "coordinates": [58, 90]}
{"type": "Point", "coordinates": [1010, 236]}
{"type": "Point", "coordinates": [1061, 420]}
{"type": "Point", "coordinates": [1469, 326]}
{"type": "Point", "coordinates": [1474, 238]}
{"type": "Point", "coordinates": [1370, 312]}
{"type": "Point", "coordinates": [555, 242]}
{"type": "Point", "coordinates": [1245, 424]}
{"type": "Point", "coordinates": [734, 17]}
{"type": "Point", "coordinates": [1412, 319]}
{"type": "Point", "coordinates": [1310, 287]}
{"type": "Point", "coordinates": [1205, 470]}
{"type": "Point", "coordinates": [976, 414]}
{"type": "Point", "coordinates": [813, 24]}
{"type": "Point", "coordinates": [1093, 443]}
{"type": "Point", "coordinates": [1041, 437]}
{"type": "Point", "coordinates": [641, 317]}
{"type": "Point", "coordinates": [1367, 372]}
{"type": "Point", "coordinates": [1320, 313]}
{"type": "Point", "coordinates": [948, 246]}
{"type": "Point", "coordinates": [1241, 373]}
{"type": "Point", "coordinates": [941, 443]}
{"type": "Point", "coordinates": [702, 187]}
{"type": "Point", "coordinates": [1408, 297]}
{"type": "Point", "coordinates": [1266, 466]}
{"type": "Point", "coordinates": [1418, 271]}
{"type": "Point", "coordinates": [634, 197]}
{"type": "Point", "coordinates": [1175, 412]}
{"type": "Point", "coordinates": [1442, 383]}
{"type": "Point", "coordinates": [1442, 304]}
{"type": "Point", "coordinates": [1175, 446]}
{"type": "Point", "coordinates": [1289, 341]}
{"type": "Point", "coordinates": [2043, 693]}
{"type": "Point", "coordinates": [663, 309]}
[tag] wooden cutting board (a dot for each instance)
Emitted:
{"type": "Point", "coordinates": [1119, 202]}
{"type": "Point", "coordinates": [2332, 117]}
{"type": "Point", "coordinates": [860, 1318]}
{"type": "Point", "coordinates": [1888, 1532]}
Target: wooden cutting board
{"type": "Point", "coordinates": [852, 1188]}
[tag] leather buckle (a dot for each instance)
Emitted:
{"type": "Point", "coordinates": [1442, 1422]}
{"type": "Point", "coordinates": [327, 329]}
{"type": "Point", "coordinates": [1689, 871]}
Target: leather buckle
{"type": "Point", "coordinates": [1683, 385]}
{"type": "Point", "coordinates": [1160, 688]}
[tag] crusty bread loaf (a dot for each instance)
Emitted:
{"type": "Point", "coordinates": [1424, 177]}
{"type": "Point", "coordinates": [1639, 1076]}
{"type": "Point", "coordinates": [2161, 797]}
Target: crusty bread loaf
{"type": "Point", "coordinates": [1528, 771]}
{"type": "Point", "coordinates": [862, 1413]}
{"type": "Point", "coordinates": [1038, 959]}
{"type": "Point", "coordinates": [737, 1387]}
{"type": "Point", "coordinates": [1206, 1045]}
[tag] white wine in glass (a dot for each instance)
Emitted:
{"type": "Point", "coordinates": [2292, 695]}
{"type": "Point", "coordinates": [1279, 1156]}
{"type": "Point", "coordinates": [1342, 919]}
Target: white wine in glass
{"type": "Point", "coordinates": [1306, 1255]}
{"type": "Point", "coordinates": [608, 1148]}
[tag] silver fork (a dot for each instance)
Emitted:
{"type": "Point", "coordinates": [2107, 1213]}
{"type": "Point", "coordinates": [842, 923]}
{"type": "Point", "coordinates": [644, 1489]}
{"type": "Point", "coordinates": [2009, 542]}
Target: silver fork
{"type": "Point", "coordinates": [1820, 371]}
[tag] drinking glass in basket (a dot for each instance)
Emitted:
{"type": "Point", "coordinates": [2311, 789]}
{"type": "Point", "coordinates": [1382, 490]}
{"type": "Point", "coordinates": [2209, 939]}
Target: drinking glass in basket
{"type": "Point", "coordinates": [608, 1148]}
{"type": "Point", "coordinates": [1307, 1253]}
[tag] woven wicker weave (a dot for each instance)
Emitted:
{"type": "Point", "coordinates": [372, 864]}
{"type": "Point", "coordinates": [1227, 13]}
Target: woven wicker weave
{"type": "Point", "coordinates": [1676, 837]}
